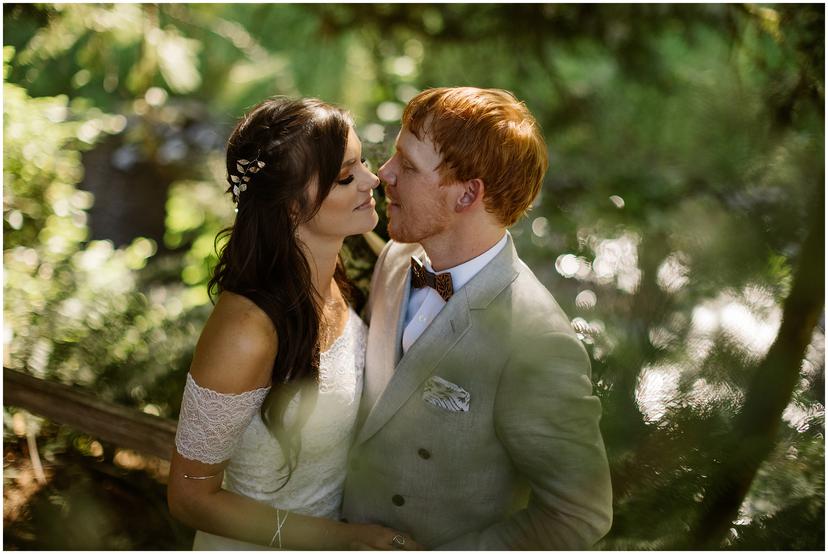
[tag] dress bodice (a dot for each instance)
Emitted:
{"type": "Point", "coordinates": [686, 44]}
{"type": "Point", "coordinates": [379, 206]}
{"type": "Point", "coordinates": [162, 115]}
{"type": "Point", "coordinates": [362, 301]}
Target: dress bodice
{"type": "Point", "coordinates": [315, 486]}
{"type": "Point", "coordinates": [257, 465]}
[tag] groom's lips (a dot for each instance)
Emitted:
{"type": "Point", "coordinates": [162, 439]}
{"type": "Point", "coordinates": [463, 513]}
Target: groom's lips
{"type": "Point", "coordinates": [390, 201]}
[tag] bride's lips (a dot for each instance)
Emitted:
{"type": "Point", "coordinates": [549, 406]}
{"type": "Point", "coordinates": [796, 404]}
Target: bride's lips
{"type": "Point", "coordinates": [370, 203]}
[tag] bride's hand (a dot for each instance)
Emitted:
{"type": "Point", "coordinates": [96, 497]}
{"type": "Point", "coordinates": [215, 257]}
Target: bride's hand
{"type": "Point", "coordinates": [377, 537]}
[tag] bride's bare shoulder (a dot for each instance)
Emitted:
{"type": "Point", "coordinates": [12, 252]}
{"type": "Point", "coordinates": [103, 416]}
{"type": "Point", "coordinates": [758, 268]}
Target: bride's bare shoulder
{"type": "Point", "coordinates": [237, 347]}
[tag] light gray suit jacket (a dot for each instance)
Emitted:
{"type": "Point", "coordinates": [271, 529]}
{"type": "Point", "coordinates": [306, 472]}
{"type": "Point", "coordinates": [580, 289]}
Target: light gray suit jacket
{"type": "Point", "coordinates": [525, 466]}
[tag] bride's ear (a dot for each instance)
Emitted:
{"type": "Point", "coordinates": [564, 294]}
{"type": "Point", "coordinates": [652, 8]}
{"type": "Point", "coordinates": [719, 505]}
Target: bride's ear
{"type": "Point", "coordinates": [471, 193]}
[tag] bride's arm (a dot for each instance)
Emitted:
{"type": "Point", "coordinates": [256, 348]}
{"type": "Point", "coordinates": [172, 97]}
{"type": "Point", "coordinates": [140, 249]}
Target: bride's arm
{"type": "Point", "coordinates": [203, 504]}
{"type": "Point", "coordinates": [230, 369]}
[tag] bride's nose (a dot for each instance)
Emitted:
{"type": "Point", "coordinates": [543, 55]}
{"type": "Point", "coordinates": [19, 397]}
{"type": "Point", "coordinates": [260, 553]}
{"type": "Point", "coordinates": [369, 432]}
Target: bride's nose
{"type": "Point", "coordinates": [371, 182]}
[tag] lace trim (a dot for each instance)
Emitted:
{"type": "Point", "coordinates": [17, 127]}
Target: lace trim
{"type": "Point", "coordinates": [211, 423]}
{"type": "Point", "coordinates": [339, 360]}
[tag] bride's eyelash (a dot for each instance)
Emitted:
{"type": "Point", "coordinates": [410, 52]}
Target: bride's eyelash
{"type": "Point", "coordinates": [350, 178]}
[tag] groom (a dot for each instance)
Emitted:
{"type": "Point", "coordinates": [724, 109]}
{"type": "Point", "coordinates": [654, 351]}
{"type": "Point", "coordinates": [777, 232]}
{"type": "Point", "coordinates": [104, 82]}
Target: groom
{"type": "Point", "coordinates": [479, 426]}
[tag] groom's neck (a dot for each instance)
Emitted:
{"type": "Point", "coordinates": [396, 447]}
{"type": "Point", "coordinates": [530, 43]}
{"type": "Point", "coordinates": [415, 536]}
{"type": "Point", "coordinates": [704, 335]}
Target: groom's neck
{"type": "Point", "coordinates": [459, 245]}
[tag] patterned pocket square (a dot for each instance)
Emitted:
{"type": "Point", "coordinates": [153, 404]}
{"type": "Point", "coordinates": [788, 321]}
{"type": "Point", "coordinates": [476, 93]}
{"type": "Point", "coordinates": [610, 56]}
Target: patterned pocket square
{"type": "Point", "coordinates": [446, 395]}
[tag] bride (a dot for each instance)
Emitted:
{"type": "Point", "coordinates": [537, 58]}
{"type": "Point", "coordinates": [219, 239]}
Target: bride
{"type": "Point", "coordinates": [272, 394]}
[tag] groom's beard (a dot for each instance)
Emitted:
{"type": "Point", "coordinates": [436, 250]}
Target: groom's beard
{"type": "Point", "coordinates": [420, 220]}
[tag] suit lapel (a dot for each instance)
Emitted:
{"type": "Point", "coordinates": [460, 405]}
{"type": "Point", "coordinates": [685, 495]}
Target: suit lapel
{"type": "Point", "coordinates": [451, 323]}
{"type": "Point", "coordinates": [419, 362]}
{"type": "Point", "coordinates": [401, 309]}
{"type": "Point", "coordinates": [384, 334]}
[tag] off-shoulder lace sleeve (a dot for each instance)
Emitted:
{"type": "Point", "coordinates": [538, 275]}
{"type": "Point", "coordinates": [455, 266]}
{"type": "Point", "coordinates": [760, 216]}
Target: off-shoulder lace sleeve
{"type": "Point", "coordinates": [211, 423]}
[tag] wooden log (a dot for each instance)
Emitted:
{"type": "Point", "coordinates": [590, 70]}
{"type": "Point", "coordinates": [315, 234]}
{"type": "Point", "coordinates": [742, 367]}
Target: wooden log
{"type": "Point", "coordinates": [110, 422]}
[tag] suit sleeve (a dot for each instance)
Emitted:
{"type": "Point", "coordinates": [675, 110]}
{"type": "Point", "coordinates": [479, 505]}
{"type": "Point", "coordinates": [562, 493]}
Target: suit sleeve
{"type": "Point", "coordinates": [547, 418]}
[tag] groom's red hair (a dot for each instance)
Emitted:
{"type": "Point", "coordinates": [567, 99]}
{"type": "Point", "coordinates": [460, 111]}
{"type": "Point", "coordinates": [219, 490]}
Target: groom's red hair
{"type": "Point", "coordinates": [485, 134]}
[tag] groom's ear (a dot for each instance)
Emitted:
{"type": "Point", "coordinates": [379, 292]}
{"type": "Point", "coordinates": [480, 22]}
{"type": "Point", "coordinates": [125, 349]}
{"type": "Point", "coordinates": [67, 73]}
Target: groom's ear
{"type": "Point", "coordinates": [470, 194]}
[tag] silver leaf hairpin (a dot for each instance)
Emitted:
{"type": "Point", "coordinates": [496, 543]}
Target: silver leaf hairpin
{"type": "Point", "coordinates": [242, 178]}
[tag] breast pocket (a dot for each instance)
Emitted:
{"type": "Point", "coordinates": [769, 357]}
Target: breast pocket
{"type": "Point", "coordinates": [440, 417]}
{"type": "Point", "coordinates": [446, 395]}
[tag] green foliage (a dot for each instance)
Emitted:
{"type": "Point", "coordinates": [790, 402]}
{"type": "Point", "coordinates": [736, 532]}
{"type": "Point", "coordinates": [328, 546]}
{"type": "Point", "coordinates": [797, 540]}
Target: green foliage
{"type": "Point", "coordinates": [196, 212]}
{"type": "Point", "coordinates": [75, 310]}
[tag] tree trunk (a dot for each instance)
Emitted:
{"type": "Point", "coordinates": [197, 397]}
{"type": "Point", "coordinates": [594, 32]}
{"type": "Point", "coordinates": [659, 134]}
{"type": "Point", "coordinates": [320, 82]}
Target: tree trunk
{"type": "Point", "coordinates": [770, 391]}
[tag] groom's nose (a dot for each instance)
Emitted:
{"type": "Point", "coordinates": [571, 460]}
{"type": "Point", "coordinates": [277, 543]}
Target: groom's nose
{"type": "Point", "coordinates": [386, 173]}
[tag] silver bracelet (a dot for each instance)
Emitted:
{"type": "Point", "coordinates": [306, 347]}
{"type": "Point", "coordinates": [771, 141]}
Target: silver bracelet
{"type": "Point", "coordinates": [197, 478]}
{"type": "Point", "coordinates": [279, 524]}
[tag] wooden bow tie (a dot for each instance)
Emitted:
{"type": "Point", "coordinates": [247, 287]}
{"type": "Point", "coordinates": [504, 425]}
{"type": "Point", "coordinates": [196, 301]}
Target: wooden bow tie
{"type": "Point", "coordinates": [421, 277]}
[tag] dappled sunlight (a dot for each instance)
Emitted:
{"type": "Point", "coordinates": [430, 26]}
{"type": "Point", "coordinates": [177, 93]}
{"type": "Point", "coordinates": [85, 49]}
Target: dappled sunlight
{"type": "Point", "coordinates": [586, 300]}
{"type": "Point", "coordinates": [156, 96]}
{"type": "Point", "coordinates": [747, 321]}
{"type": "Point", "coordinates": [753, 334]}
{"type": "Point", "coordinates": [673, 273]}
{"type": "Point", "coordinates": [390, 111]}
{"type": "Point", "coordinates": [657, 387]}
{"type": "Point", "coordinates": [662, 389]}
{"type": "Point", "coordinates": [704, 395]}
{"type": "Point", "coordinates": [752, 331]}
{"type": "Point", "coordinates": [802, 417]}
{"type": "Point", "coordinates": [615, 261]}
{"type": "Point", "coordinates": [540, 226]}
{"type": "Point", "coordinates": [403, 66]}
{"type": "Point", "coordinates": [373, 132]}
{"type": "Point", "coordinates": [274, 67]}
{"type": "Point", "coordinates": [799, 414]}
{"type": "Point", "coordinates": [587, 331]}
{"type": "Point", "coordinates": [132, 460]}
{"type": "Point", "coordinates": [568, 265]}
{"type": "Point", "coordinates": [663, 338]}
{"type": "Point", "coordinates": [406, 92]}
{"type": "Point", "coordinates": [705, 321]}
{"type": "Point", "coordinates": [177, 59]}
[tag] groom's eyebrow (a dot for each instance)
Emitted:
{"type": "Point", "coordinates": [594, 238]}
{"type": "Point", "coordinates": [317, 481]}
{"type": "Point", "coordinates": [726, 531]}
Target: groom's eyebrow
{"type": "Point", "coordinates": [401, 151]}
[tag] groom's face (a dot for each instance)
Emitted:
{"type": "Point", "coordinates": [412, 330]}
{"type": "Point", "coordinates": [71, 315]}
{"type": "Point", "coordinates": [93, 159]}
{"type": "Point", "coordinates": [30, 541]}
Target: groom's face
{"type": "Point", "coordinates": [419, 206]}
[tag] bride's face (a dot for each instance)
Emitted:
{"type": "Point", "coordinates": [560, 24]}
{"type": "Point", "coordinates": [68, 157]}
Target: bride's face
{"type": "Point", "coordinates": [349, 207]}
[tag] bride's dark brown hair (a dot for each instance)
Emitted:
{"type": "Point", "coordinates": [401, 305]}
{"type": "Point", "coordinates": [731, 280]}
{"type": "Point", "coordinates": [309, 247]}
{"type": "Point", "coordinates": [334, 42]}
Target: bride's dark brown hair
{"type": "Point", "coordinates": [299, 141]}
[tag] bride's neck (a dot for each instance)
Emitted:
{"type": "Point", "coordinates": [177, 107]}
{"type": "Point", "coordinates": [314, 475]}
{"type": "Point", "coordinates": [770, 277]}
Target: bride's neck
{"type": "Point", "coordinates": [322, 255]}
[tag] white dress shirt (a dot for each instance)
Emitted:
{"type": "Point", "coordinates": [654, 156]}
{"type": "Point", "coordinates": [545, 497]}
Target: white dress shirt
{"type": "Point", "coordinates": [424, 304]}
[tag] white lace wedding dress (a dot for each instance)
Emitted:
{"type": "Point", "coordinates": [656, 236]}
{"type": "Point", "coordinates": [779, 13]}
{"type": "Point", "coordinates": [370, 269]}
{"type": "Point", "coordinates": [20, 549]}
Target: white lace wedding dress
{"type": "Point", "coordinates": [214, 427]}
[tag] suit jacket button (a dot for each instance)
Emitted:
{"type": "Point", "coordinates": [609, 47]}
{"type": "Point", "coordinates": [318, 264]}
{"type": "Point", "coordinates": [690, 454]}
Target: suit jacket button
{"type": "Point", "coordinates": [424, 454]}
{"type": "Point", "coordinates": [398, 500]}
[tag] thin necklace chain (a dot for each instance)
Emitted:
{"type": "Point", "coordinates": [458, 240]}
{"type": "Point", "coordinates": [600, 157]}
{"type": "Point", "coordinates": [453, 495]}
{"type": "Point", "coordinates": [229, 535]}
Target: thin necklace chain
{"type": "Point", "coordinates": [330, 324]}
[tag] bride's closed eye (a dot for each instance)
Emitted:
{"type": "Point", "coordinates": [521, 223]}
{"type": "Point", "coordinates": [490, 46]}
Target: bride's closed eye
{"type": "Point", "coordinates": [349, 179]}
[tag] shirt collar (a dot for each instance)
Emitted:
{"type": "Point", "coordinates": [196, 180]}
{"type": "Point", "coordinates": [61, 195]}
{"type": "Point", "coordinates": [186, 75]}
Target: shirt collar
{"type": "Point", "coordinates": [462, 274]}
